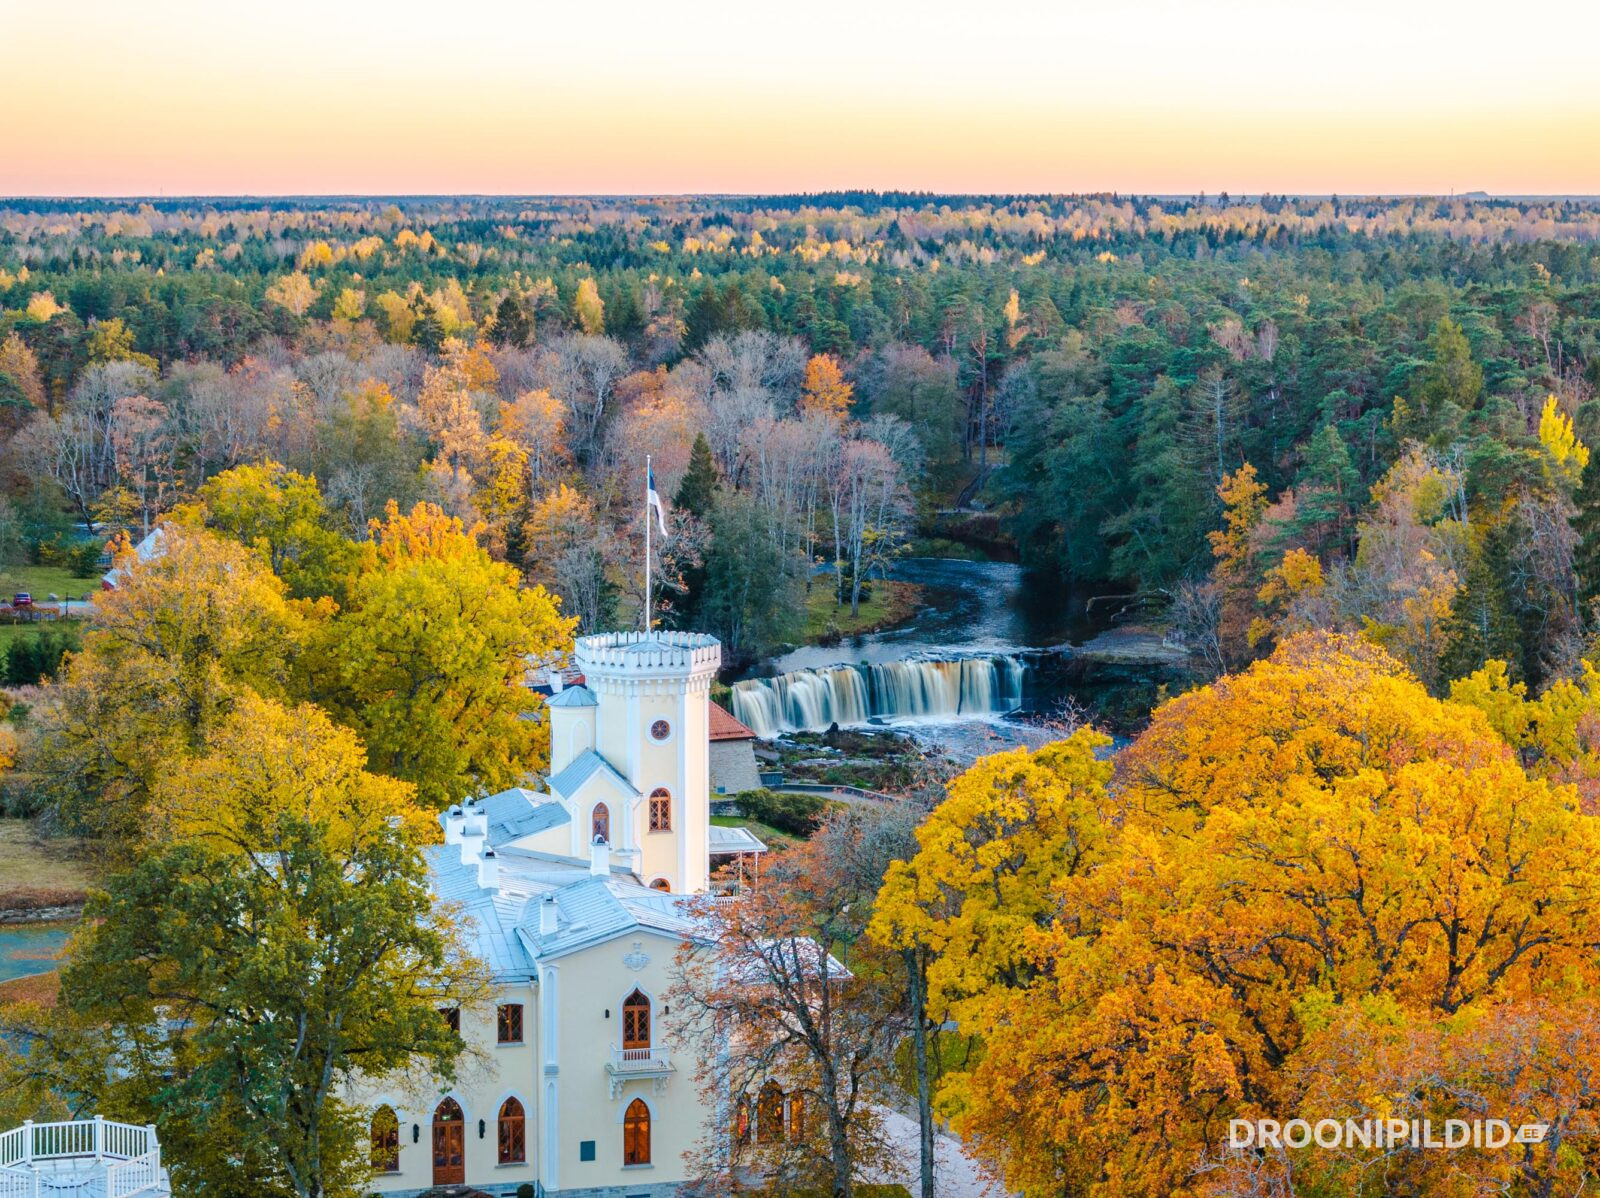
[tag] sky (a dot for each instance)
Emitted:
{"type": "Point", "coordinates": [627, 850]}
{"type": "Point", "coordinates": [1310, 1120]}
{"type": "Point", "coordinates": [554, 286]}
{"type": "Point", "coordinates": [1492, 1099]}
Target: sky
{"type": "Point", "coordinates": [224, 97]}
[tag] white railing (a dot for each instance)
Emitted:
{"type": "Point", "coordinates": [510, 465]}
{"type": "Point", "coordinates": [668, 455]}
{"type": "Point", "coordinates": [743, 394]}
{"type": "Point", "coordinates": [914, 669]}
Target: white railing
{"type": "Point", "coordinates": [625, 1060]}
{"type": "Point", "coordinates": [19, 1183]}
{"type": "Point", "coordinates": [130, 1154]}
{"type": "Point", "coordinates": [95, 1137]}
{"type": "Point", "coordinates": [127, 1178]}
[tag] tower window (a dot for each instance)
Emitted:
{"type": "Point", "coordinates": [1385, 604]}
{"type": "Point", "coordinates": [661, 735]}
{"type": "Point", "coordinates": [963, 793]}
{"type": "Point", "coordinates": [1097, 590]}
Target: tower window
{"type": "Point", "coordinates": [660, 730]}
{"type": "Point", "coordinates": [636, 1027]}
{"type": "Point", "coordinates": [660, 810]}
{"type": "Point", "coordinates": [600, 823]}
{"type": "Point", "coordinates": [636, 1134]}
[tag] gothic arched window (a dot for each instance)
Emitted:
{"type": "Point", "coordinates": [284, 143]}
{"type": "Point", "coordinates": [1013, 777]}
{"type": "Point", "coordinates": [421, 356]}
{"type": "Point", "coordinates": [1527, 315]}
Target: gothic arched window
{"type": "Point", "coordinates": [636, 1134]}
{"type": "Point", "coordinates": [661, 810]}
{"type": "Point", "coordinates": [513, 1133]}
{"type": "Point", "coordinates": [385, 1141]}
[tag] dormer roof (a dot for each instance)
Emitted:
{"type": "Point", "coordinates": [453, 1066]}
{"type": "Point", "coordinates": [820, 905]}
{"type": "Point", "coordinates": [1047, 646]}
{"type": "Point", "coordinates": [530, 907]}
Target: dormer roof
{"type": "Point", "coordinates": [573, 696]}
{"type": "Point", "coordinates": [515, 813]}
{"type": "Point", "coordinates": [586, 766]}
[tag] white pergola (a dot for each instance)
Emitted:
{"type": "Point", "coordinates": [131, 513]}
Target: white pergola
{"type": "Point", "coordinates": [84, 1158]}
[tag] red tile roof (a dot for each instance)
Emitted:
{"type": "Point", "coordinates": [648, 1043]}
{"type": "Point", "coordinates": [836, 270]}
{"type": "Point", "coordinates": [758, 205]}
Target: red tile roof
{"type": "Point", "coordinates": [725, 727]}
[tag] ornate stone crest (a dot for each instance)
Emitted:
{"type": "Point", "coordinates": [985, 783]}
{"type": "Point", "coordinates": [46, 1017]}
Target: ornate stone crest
{"type": "Point", "coordinates": [637, 959]}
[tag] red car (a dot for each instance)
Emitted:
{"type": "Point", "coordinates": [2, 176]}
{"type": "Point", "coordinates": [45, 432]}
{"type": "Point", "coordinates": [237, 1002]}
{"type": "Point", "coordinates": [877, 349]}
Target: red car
{"type": "Point", "coordinates": [22, 599]}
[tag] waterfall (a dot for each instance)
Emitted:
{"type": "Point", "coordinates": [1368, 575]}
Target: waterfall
{"type": "Point", "coordinates": [811, 700]}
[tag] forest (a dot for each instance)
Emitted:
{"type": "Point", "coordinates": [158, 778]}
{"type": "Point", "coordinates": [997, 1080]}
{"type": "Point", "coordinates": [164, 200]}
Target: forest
{"type": "Point", "coordinates": [1336, 449]}
{"type": "Point", "coordinates": [1256, 415]}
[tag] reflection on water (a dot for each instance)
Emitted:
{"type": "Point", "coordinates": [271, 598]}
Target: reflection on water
{"type": "Point", "coordinates": [27, 948]}
{"type": "Point", "coordinates": [967, 607]}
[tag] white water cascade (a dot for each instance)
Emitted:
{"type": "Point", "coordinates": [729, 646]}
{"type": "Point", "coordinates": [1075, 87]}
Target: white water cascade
{"type": "Point", "coordinates": [812, 700]}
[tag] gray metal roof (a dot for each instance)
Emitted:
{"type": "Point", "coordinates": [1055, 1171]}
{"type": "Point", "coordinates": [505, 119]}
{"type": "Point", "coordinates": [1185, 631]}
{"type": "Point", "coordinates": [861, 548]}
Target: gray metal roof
{"type": "Point", "coordinates": [584, 766]}
{"type": "Point", "coordinates": [502, 925]}
{"type": "Point", "coordinates": [573, 696]}
{"type": "Point", "coordinates": [515, 813]}
{"type": "Point", "coordinates": [734, 840]}
{"type": "Point", "coordinates": [488, 926]}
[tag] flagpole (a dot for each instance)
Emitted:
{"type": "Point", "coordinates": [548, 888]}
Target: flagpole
{"type": "Point", "coordinates": [647, 544]}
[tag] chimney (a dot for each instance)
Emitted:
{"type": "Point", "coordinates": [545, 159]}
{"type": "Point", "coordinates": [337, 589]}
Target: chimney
{"type": "Point", "coordinates": [600, 859]}
{"type": "Point", "coordinates": [471, 839]}
{"type": "Point", "coordinates": [488, 870]}
{"type": "Point", "coordinates": [557, 680]}
{"type": "Point", "coordinates": [547, 916]}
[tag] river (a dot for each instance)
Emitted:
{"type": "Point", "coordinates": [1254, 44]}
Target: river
{"type": "Point", "coordinates": [28, 948]}
{"type": "Point", "coordinates": [957, 674]}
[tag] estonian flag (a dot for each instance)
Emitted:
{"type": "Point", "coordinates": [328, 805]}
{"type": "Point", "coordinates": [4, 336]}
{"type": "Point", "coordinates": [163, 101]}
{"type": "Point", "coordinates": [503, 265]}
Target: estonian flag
{"type": "Point", "coordinates": [653, 498]}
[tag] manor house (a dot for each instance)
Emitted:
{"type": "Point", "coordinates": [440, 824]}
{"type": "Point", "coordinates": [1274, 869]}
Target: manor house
{"type": "Point", "coordinates": [573, 897]}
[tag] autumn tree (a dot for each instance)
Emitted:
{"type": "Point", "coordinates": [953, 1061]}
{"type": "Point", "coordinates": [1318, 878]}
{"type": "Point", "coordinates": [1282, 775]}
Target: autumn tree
{"type": "Point", "coordinates": [1244, 501]}
{"type": "Point", "coordinates": [569, 551]}
{"type": "Point", "coordinates": [825, 390]}
{"type": "Point", "coordinates": [588, 309]}
{"type": "Point", "coordinates": [276, 942]}
{"type": "Point", "coordinates": [280, 514]}
{"type": "Point", "coordinates": [21, 385]}
{"type": "Point", "coordinates": [429, 662]}
{"type": "Point", "coordinates": [786, 977]}
{"type": "Point", "coordinates": [172, 649]}
{"type": "Point", "coordinates": [1299, 845]}
{"type": "Point", "coordinates": [294, 292]}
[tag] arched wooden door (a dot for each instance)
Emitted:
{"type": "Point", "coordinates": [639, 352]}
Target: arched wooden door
{"type": "Point", "coordinates": [449, 1145]}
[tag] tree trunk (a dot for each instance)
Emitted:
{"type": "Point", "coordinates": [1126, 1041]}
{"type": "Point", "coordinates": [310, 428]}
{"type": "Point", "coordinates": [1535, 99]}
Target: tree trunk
{"type": "Point", "coordinates": [919, 1044]}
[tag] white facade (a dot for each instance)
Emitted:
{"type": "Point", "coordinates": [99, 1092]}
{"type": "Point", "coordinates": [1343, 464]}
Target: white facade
{"type": "Point", "coordinates": [580, 936]}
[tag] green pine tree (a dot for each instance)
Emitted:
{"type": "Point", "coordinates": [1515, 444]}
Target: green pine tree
{"type": "Point", "coordinates": [512, 325]}
{"type": "Point", "coordinates": [1587, 525]}
{"type": "Point", "coordinates": [1451, 384]}
{"type": "Point", "coordinates": [697, 492]}
{"type": "Point", "coordinates": [1482, 621]}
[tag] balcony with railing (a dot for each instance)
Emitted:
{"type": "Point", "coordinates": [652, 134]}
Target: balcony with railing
{"type": "Point", "coordinates": [627, 1064]}
{"type": "Point", "coordinates": [83, 1158]}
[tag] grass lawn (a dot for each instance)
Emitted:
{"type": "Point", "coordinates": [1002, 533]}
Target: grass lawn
{"type": "Point", "coordinates": [17, 632]}
{"type": "Point", "coordinates": [43, 581]}
{"type": "Point", "coordinates": [40, 870]}
{"type": "Point", "coordinates": [889, 604]}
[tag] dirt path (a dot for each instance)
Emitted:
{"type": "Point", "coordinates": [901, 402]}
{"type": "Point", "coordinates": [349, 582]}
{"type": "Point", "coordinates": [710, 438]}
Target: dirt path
{"type": "Point", "coordinates": [955, 1173]}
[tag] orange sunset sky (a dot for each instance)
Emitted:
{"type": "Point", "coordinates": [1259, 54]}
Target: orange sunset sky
{"type": "Point", "coordinates": [144, 97]}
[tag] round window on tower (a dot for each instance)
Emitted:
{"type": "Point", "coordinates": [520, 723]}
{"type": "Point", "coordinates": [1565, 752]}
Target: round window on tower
{"type": "Point", "coordinates": [660, 730]}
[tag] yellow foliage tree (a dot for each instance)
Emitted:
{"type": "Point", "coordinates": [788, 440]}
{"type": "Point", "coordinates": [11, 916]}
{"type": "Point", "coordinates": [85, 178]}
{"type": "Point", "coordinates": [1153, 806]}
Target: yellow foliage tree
{"type": "Point", "coordinates": [294, 292]}
{"type": "Point", "coordinates": [352, 302]}
{"type": "Point", "coordinates": [171, 650]}
{"type": "Point", "coordinates": [1310, 844]}
{"type": "Point", "coordinates": [429, 663]}
{"type": "Point", "coordinates": [826, 391]}
{"type": "Point", "coordinates": [588, 308]}
{"type": "Point", "coordinates": [268, 760]}
{"type": "Point", "coordinates": [42, 307]}
{"type": "Point", "coordinates": [1568, 455]}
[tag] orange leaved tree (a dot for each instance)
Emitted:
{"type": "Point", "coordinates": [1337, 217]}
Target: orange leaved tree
{"type": "Point", "coordinates": [1297, 860]}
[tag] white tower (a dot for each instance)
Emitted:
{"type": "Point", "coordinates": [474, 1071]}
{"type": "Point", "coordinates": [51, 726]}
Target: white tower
{"type": "Point", "coordinates": [653, 725]}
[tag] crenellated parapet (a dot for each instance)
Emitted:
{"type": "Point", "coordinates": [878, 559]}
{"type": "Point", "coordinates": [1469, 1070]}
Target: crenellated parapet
{"type": "Point", "coordinates": [623, 660]}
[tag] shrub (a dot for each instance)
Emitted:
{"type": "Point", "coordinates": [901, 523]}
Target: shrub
{"type": "Point", "coordinates": [796, 814]}
{"type": "Point", "coordinates": [31, 659]}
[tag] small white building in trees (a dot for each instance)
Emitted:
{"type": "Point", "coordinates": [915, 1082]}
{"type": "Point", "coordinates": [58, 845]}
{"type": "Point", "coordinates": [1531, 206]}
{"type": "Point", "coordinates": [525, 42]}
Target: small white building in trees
{"type": "Point", "coordinates": [573, 897]}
